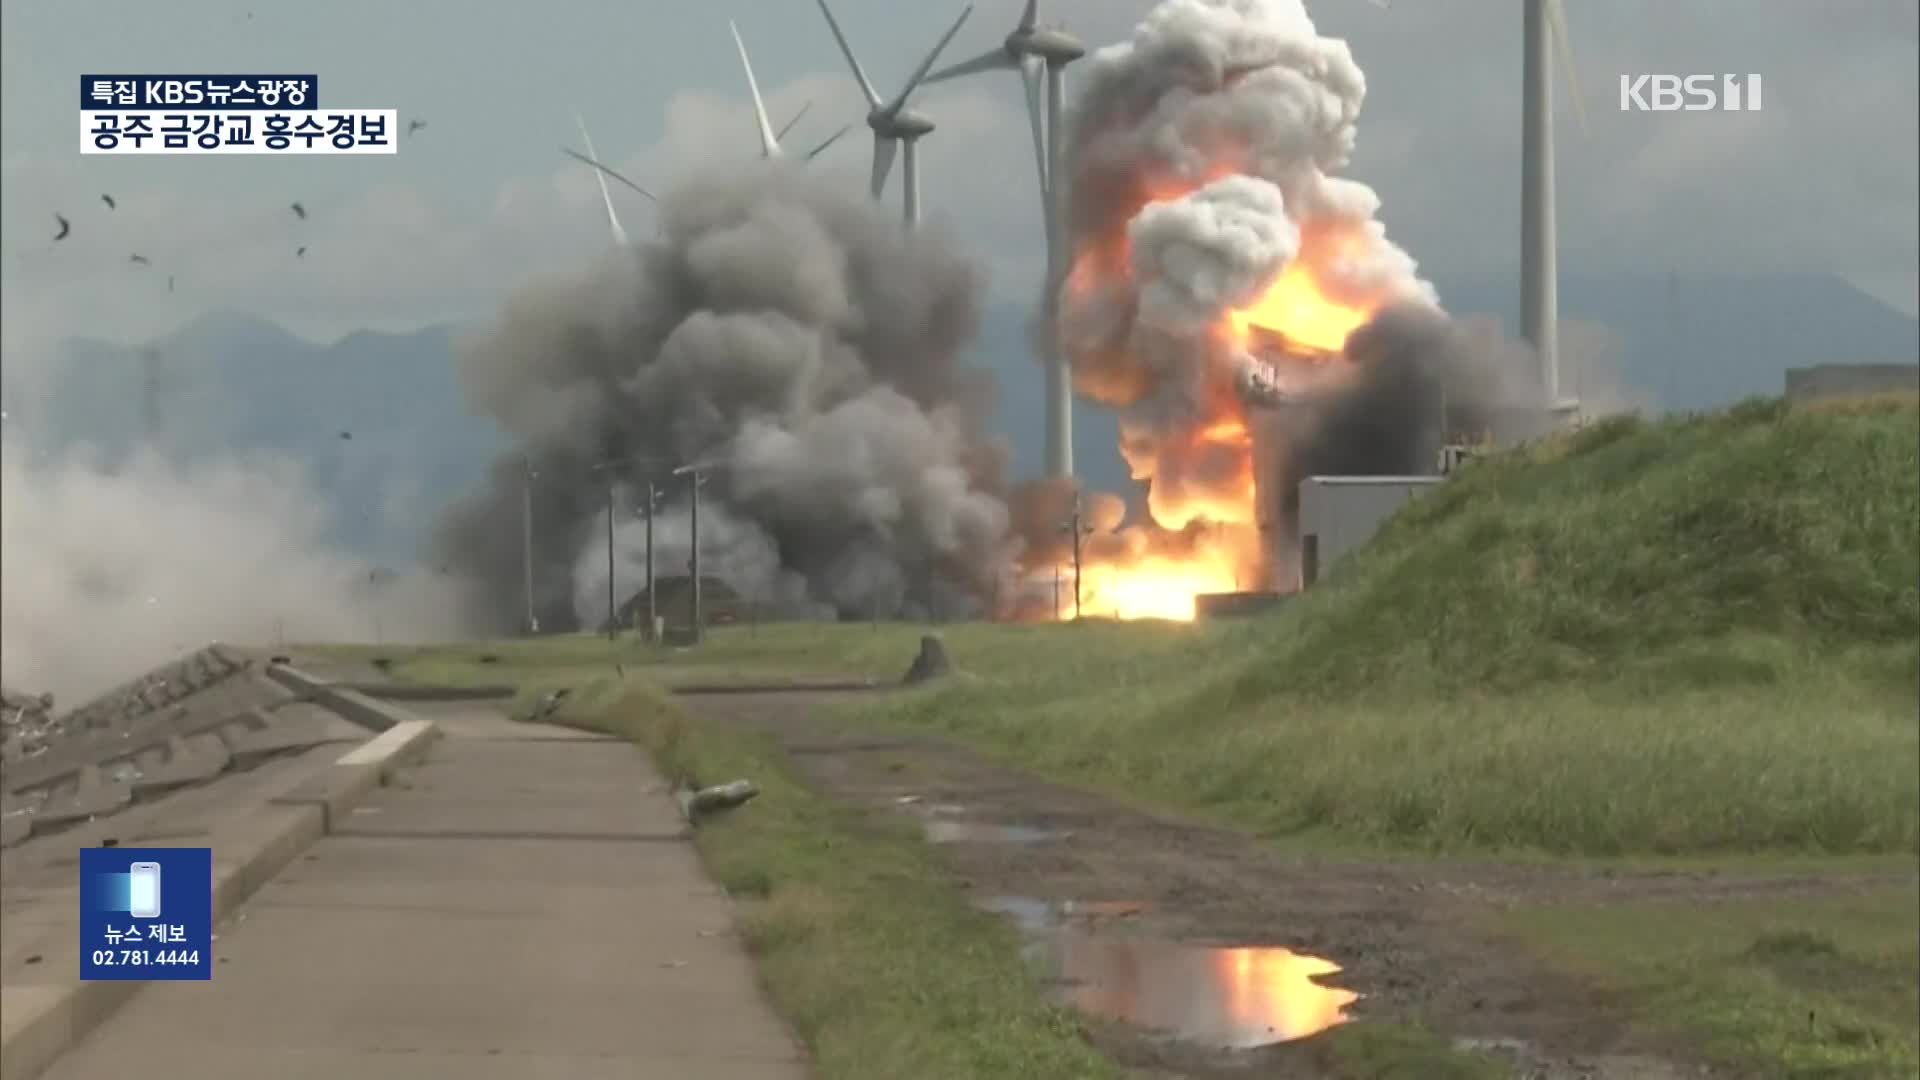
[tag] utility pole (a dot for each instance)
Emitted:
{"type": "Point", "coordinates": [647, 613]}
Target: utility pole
{"type": "Point", "coordinates": [1076, 560]}
{"type": "Point", "coordinates": [1079, 530]}
{"type": "Point", "coordinates": [652, 612]}
{"type": "Point", "coordinates": [613, 609]}
{"type": "Point", "coordinates": [526, 541]}
{"type": "Point", "coordinates": [693, 562]}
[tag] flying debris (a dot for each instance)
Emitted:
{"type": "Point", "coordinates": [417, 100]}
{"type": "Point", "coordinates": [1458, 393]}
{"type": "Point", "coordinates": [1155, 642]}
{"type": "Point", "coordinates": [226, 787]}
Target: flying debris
{"type": "Point", "coordinates": [140, 260]}
{"type": "Point", "coordinates": [415, 125]}
{"type": "Point", "coordinates": [300, 253]}
{"type": "Point", "coordinates": [348, 435]}
{"type": "Point", "coordinates": [108, 199]}
{"type": "Point", "coordinates": [609, 170]}
{"type": "Point", "coordinates": [169, 282]}
{"type": "Point", "coordinates": [300, 211]}
{"type": "Point", "coordinates": [65, 227]}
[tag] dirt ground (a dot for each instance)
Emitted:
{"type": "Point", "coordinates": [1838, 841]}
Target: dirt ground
{"type": "Point", "coordinates": [1403, 934]}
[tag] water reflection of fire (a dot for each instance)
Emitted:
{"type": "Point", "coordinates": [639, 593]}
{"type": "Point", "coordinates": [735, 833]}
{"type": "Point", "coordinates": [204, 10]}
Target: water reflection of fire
{"type": "Point", "coordinates": [1237, 998]}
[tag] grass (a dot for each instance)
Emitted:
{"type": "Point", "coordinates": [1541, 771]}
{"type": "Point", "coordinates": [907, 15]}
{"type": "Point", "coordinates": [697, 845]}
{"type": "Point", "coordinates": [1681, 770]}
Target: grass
{"type": "Point", "coordinates": [869, 950]}
{"type": "Point", "coordinates": [864, 945]}
{"type": "Point", "coordinates": [1689, 639]}
{"type": "Point", "coordinates": [1699, 636]}
{"type": "Point", "coordinates": [1793, 988]}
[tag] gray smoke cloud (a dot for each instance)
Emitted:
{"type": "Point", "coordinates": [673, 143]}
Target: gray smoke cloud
{"type": "Point", "coordinates": [796, 342]}
{"type": "Point", "coordinates": [115, 567]}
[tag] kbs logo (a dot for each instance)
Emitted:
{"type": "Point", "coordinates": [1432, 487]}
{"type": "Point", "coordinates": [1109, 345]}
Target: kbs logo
{"type": "Point", "coordinates": [1691, 93]}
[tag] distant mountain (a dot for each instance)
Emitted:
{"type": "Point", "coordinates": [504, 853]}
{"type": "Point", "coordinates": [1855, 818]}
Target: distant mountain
{"type": "Point", "coordinates": [232, 383]}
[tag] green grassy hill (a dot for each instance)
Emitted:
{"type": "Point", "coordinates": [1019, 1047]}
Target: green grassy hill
{"type": "Point", "coordinates": [1692, 635]}
{"type": "Point", "coordinates": [1694, 552]}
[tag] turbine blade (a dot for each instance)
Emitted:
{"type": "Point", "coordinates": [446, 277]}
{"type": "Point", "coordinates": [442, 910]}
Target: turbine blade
{"type": "Point", "coordinates": [1030, 16]}
{"type": "Point", "coordinates": [900, 100]}
{"type": "Point", "coordinates": [1557, 21]}
{"type": "Point", "coordinates": [613, 219]}
{"type": "Point", "coordinates": [846, 50]}
{"type": "Point", "coordinates": [1031, 74]}
{"type": "Point", "coordinates": [831, 139]}
{"type": "Point", "coordinates": [991, 60]}
{"type": "Point", "coordinates": [609, 171]}
{"type": "Point", "coordinates": [782, 133]}
{"type": "Point", "coordinates": [769, 142]}
{"type": "Point", "coordinates": [883, 149]}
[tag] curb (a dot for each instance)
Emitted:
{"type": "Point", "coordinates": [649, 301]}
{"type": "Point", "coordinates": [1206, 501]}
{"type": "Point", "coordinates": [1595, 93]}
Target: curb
{"type": "Point", "coordinates": [39, 1022]}
{"type": "Point", "coordinates": [355, 707]}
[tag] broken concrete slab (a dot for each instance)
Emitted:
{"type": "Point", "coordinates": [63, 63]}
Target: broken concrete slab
{"type": "Point", "coordinates": [280, 735]}
{"type": "Point", "coordinates": [93, 795]}
{"type": "Point", "coordinates": [191, 759]}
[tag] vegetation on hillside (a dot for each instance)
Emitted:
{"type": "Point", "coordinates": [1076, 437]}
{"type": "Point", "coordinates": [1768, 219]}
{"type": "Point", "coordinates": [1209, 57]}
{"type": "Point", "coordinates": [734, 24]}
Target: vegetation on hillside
{"type": "Point", "coordinates": [1691, 635]}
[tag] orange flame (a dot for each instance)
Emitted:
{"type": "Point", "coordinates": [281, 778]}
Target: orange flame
{"type": "Point", "coordinates": [1143, 576]}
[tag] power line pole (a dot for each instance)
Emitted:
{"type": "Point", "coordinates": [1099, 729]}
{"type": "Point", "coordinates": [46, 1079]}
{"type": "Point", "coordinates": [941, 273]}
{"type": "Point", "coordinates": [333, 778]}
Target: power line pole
{"type": "Point", "coordinates": [693, 529]}
{"type": "Point", "coordinates": [613, 610]}
{"type": "Point", "coordinates": [1076, 558]}
{"type": "Point", "coordinates": [526, 541]}
{"type": "Point", "coordinates": [652, 610]}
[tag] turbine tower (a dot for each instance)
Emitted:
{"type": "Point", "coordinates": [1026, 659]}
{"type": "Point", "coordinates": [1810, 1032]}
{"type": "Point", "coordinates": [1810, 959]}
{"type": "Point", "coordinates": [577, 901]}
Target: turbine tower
{"type": "Point", "coordinates": [769, 139]}
{"type": "Point", "coordinates": [1544, 26]}
{"type": "Point", "coordinates": [891, 122]}
{"type": "Point", "coordinates": [1033, 50]}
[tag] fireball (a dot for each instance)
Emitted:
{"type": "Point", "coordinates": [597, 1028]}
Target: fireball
{"type": "Point", "coordinates": [1218, 266]}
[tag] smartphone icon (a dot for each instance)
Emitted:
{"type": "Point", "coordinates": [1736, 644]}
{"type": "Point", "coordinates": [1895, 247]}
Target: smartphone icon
{"type": "Point", "coordinates": [143, 890]}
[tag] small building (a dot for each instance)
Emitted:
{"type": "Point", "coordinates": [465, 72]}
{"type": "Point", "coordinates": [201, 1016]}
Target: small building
{"type": "Point", "coordinates": [1823, 381]}
{"type": "Point", "coordinates": [1340, 513]}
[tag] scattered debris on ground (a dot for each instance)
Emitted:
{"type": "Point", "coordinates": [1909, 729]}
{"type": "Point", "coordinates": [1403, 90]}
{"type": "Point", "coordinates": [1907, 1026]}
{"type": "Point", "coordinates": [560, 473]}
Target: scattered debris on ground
{"type": "Point", "coordinates": [695, 805]}
{"type": "Point", "coordinates": [932, 662]}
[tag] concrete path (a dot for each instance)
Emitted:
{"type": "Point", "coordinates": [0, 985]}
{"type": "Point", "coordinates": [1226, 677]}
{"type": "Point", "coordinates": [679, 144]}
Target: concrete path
{"type": "Point", "coordinates": [525, 905]}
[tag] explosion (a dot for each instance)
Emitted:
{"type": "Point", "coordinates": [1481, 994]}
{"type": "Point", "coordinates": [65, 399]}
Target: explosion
{"type": "Point", "coordinates": [795, 343]}
{"type": "Point", "coordinates": [1218, 269]}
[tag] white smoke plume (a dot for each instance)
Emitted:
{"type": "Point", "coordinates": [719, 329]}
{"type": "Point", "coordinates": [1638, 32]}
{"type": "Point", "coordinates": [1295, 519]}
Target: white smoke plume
{"type": "Point", "coordinates": [112, 569]}
{"type": "Point", "coordinates": [796, 343]}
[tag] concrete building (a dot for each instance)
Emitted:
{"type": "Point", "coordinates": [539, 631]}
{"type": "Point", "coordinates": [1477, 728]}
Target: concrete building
{"type": "Point", "coordinates": [1824, 381]}
{"type": "Point", "coordinates": [1340, 513]}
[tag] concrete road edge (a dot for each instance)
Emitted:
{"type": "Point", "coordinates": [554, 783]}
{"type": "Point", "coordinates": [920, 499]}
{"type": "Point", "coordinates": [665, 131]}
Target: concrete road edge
{"type": "Point", "coordinates": [38, 1023]}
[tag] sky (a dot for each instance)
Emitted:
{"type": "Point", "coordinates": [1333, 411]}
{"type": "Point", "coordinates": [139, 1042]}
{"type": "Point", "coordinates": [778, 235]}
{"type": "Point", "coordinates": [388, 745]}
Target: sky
{"type": "Point", "coordinates": [1823, 179]}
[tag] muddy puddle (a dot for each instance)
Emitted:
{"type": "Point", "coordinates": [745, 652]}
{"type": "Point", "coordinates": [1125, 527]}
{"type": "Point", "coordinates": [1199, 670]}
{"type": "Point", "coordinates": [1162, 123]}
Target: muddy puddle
{"type": "Point", "coordinates": [943, 826]}
{"type": "Point", "coordinates": [1228, 998]}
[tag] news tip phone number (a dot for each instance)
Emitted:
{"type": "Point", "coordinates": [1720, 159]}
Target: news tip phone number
{"type": "Point", "coordinates": [145, 957]}
{"type": "Point", "coordinates": [208, 131]}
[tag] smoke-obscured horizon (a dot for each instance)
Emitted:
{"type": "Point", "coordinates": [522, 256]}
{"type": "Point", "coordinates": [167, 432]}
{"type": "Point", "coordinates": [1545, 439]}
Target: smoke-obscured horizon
{"type": "Point", "coordinates": [113, 568]}
{"type": "Point", "coordinates": [797, 342]}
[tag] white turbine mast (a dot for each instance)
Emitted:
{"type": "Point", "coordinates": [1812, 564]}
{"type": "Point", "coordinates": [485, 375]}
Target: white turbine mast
{"type": "Point", "coordinates": [770, 139]}
{"type": "Point", "coordinates": [1539, 265]}
{"type": "Point", "coordinates": [891, 122]}
{"type": "Point", "coordinates": [1033, 50]}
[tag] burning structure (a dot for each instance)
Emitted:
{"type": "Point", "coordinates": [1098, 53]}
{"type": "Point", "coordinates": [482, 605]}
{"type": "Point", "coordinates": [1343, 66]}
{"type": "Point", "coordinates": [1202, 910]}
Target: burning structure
{"type": "Point", "coordinates": [1239, 305]}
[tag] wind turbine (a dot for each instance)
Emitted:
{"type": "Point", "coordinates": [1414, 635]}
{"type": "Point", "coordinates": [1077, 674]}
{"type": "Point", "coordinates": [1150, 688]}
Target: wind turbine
{"type": "Point", "coordinates": [891, 122]}
{"type": "Point", "coordinates": [1539, 269]}
{"type": "Point", "coordinates": [1031, 50]}
{"type": "Point", "coordinates": [770, 139]}
{"type": "Point", "coordinates": [601, 172]}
